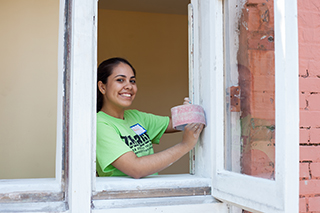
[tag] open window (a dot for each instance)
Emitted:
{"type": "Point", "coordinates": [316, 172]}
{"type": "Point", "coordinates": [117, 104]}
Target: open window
{"type": "Point", "coordinates": [80, 191]}
{"type": "Point", "coordinates": [256, 154]}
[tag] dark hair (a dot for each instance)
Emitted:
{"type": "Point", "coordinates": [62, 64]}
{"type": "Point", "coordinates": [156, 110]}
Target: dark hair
{"type": "Point", "coordinates": [105, 69]}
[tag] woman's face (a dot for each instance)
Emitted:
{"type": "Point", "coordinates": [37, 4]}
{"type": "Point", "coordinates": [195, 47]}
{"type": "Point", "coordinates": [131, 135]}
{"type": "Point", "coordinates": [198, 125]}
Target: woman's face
{"type": "Point", "coordinates": [121, 88]}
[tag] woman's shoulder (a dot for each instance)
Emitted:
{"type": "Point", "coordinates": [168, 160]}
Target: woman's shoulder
{"type": "Point", "coordinates": [136, 113]}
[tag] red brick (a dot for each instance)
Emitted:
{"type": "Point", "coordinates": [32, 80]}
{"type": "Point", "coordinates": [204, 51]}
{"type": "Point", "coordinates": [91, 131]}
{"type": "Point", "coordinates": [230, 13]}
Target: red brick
{"type": "Point", "coordinates": [304, 135]}
{"type": "Point", "coordinates": [314, 204]}
{"type": "Point", "coordinates": [310, 153]}
{"type": "Point", "coordinates": [264, 83]}
{"type": "Point", "coordinates": [261, 62]}
{"type": "Point", "coordinates": [263, 102]}
{"type": "Point", "coordinates": [309, 187]}
{"type": "Point", "coordinates": [314, 102]}
{"type": "Point", "coordinates": [307, 35]}
{"type": "Point", "coordinates": [256, 10]}
{"type": "Point", "coordinates": [302, 205]}
{"type": "Point", "coordinates": [309, 84]}
{"type": "Point", "coordinates": [315, 170]}
{"type": "Point", "coordinates": [314, 65]}
{"type": "Point", "coordinates": [314, 135]}
{"type": "Point", "coordinates": [309, 119]}
{"type": "Point", "coordinates": [308, 19]}
{"type": "Point", "coordinates": [303, 5]}
{"type": "Point", "coordinates": [303, 101]}
{"type": "Point", "coordinates": [309, 51]}
{"type": "Point", "coordinates": [304, 170]}
{"type": "Point", "coordinates": [314, 5]}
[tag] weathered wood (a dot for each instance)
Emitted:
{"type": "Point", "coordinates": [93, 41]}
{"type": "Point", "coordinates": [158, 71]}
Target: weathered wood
{"type": "Point", "coordinates": [31, 197]}
{"type": "Point", "coordinates": [151, 193]}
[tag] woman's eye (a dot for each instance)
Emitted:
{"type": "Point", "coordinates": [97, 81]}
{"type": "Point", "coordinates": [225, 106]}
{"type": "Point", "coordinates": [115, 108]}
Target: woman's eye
{"type": "Point", "coordinates": [133, 81]}
{"type": "Point", "coordinates": [120, 80]}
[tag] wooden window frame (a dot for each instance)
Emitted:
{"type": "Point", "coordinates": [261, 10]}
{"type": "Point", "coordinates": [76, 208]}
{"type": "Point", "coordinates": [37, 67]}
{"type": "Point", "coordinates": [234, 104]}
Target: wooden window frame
{"type": "Point", "coordinates": [83, 192]}
{"type": "Point", "coordinates": [48, 193]}
{"type": "Point", "coordinates": [247, 192]}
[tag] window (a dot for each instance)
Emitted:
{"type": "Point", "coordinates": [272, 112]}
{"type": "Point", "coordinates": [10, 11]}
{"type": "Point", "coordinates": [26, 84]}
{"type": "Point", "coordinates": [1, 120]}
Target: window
{"type": "Point", "coordinates": [84, 193]}
{"type": "Point", "coordinates": [42, 193]}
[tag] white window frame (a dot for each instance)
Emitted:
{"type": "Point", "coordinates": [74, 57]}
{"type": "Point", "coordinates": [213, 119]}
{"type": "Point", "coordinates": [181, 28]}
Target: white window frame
{"type": "Point", "coordinates": [86, 193]}
{"type": "Point", "coordinates": [46, 193]}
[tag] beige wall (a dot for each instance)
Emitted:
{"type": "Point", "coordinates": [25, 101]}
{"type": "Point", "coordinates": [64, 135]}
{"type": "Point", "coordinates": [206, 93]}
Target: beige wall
{"type": "Point", "coordinates": [28, 87]}
{"type": "Point", "coordinates": [157, 46]}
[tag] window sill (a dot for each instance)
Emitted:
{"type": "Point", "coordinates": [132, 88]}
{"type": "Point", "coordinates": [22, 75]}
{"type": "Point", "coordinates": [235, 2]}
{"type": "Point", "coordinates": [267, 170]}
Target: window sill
{"type": "Point", "coordinates": [151, 186]}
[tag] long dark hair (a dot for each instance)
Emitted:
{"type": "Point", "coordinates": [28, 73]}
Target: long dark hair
{"type": "Point", "coordinates": [105, 69]}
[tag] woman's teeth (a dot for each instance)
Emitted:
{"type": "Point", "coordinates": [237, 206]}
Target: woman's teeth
{"type": "Point", "coordinates": [126, 95]}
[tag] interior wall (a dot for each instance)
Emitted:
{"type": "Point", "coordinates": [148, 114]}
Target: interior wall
{"type": "Point", "coordinates": [157, 46]}
{"type": "Point", "coordinates": [28, 88]}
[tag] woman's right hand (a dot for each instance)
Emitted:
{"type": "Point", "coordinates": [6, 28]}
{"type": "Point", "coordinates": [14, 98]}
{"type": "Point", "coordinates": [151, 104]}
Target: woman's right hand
{"type": "Point", "coordinates": [186, 101]}
{"type": "Point", "coordinates": [191, 134]}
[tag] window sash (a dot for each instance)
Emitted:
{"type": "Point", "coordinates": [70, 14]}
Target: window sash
{"type": "Point", "coordinates": [251, 193]}
{"type": "Point", "coordinates": [49, 193]}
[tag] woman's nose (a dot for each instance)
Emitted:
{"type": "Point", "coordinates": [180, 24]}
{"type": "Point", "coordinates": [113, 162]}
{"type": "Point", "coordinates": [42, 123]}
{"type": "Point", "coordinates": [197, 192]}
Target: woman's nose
{"type": "Point", "coordinates": [128, 85]}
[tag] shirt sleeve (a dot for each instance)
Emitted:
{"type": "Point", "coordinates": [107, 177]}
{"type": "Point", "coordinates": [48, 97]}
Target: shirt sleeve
{"type": "Point", "coordinates": [109, 146]}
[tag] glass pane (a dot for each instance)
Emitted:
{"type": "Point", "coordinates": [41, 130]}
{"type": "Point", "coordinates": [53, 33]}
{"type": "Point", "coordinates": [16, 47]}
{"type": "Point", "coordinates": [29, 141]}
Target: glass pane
{"type": "Point", "coordinates": [250, 88]}
{"type": "Point", "coordinates": [28, 88]}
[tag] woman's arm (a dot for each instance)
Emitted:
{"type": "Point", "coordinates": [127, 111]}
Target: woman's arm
{"type": "Point", "coordinates": [170, 128]}
{"type": "Point", "coordinates": [138, 167]}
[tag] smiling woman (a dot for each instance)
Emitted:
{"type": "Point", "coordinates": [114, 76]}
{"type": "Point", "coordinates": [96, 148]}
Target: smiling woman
{"type": "Point", "coordinates": [125, 137]}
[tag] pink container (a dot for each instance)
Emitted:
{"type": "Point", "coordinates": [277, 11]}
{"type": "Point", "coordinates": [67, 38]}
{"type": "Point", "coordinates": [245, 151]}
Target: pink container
{"type": "Point", "coordinates": [185, 114]}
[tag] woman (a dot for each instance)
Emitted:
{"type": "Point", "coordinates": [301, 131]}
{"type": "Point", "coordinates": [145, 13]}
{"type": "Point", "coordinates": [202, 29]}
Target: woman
{"type": "Point", "coordinates": [125, 137]}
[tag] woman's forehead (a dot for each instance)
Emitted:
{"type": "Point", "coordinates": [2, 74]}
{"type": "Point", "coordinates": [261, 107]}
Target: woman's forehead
{"type": "Point", "coordinates": [123, 70]}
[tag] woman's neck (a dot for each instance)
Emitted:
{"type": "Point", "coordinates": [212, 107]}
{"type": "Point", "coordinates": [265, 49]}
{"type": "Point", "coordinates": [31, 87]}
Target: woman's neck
{"type": "Point", "coordinates": [117, 113]}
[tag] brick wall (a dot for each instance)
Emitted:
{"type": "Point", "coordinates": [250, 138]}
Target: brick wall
{"type": "Point", "coordinates": [309, 77]}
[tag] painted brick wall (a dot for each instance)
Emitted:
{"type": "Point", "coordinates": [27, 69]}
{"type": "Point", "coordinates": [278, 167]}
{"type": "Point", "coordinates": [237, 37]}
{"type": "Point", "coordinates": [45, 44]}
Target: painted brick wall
{"type": "Point", "coordinates": [309, 76]}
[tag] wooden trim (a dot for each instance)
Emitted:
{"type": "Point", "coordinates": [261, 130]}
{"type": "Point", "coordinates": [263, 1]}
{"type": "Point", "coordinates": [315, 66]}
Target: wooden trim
{"type": "Point", "coordinates": [152, 193]}
{"type": "Point", "coordinates": [31, 197]}
{"type": "Point", "coordinates": [66, 97]}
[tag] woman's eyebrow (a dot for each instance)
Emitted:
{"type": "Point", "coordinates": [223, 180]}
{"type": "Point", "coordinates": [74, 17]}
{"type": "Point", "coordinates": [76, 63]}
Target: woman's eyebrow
{"type": "Point", "coordinates": [124, 76]}
{"type": "Point", "coordinates": [120, 76]}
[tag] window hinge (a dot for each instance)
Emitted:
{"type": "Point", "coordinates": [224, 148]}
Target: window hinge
{"type": "Point", "coordinates": [234, 99]}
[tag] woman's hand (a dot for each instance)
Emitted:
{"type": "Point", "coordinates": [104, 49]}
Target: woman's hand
{"type": "Point", "coordinates": [191, 134]}
{"type": "Point", "coordinates": [186, 101]}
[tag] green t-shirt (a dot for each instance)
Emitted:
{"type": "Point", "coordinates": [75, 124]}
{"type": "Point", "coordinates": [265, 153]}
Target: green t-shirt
{"type": "Point", "coordinates": [115, 137]}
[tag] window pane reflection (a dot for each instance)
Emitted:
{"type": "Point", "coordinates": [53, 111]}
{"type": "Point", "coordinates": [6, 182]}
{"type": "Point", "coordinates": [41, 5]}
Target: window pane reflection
{"type": "Point", "coordinates": [250, 88]}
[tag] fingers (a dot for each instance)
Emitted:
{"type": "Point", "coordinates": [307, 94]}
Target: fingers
{"type": "Point", "coordinates": [195, 127]}
{"type": "Point", "coordinates": [186, 100]}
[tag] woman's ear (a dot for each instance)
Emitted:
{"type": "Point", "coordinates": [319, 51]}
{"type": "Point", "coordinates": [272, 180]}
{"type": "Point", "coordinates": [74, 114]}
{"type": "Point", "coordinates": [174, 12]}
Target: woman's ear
{"type": "Point", "coordinates": [102, 87]}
